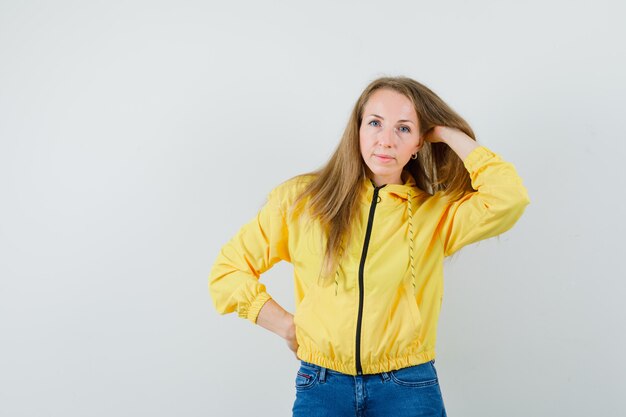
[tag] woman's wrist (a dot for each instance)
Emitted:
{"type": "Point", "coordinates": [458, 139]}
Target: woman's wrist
{"type": "Point", "coordinates": [289, 331]}
{"type": "Point", "coordinates": [459, 142]}
{"type": "Point", "coordinates": [275, 319]}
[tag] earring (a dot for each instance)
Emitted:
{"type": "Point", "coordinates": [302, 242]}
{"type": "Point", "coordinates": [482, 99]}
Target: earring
{"type": "Point", "coordinates": [414, 156]}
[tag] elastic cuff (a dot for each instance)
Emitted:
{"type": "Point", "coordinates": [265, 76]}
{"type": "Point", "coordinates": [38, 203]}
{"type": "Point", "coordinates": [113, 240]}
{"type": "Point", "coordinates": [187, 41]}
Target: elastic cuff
{"type": "Point", "coordinates": [477, 157]}
{"type": "Point", "coordinates": [257, 304]}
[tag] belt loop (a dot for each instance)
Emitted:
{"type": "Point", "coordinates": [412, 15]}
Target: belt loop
{"type": "Point", "coordinates": [384, 376]}
{"type": "Point", "coordinates": [322, 374]}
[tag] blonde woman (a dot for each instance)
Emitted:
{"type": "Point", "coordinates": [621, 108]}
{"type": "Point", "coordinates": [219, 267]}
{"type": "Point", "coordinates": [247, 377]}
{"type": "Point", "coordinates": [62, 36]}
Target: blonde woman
{"type": "Point", "coordinates": [407, 186]}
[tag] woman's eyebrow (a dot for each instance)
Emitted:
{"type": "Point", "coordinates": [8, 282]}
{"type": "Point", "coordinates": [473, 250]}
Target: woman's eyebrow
{"type": "Point", "coordinates": [381, 117]}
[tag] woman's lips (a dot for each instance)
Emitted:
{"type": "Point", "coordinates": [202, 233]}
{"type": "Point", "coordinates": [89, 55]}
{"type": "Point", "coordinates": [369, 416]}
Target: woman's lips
{"type": "Point", "coordinates": [383, 158]}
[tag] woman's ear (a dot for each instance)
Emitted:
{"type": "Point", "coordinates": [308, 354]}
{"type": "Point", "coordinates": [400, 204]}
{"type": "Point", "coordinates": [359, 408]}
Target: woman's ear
{"type": "Point", "coordinates": [420, 143]}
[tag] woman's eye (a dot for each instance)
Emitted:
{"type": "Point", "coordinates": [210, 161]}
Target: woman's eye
{"type": "Point", "coordinates": [377, 123]}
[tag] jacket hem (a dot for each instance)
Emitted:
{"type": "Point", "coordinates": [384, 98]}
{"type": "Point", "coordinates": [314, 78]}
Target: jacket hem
{"type": "Point", "coordinates": [383, 365]}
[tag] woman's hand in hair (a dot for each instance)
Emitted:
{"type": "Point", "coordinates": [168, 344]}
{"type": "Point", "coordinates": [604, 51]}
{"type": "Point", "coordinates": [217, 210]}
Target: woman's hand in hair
{"type": "Point", "coordinates": [455, 138]}
{"type": "Point", "coordinates": [441, 134]}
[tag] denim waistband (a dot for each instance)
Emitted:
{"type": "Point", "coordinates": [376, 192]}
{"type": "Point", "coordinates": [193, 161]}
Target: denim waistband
{"type": "Point", "coordinates": [315, 366]}
{"type": "Point", "coordinates": [384, 375]}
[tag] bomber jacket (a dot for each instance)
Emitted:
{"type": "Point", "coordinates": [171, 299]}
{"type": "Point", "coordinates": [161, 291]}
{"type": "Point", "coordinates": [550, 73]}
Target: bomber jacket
{"type": "Point", "coordinates": [382, 311]}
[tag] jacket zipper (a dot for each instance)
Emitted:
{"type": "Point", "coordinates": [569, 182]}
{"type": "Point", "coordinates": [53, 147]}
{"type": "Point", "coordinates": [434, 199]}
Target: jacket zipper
{"type": "Point", "coordinates": [368, 233]}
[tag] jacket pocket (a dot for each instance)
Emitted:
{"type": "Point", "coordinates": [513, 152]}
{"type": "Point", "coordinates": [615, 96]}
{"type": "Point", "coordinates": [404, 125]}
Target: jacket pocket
{"type": "Point", "coordinates": [416, 316]}
{"type": "Point", "coordinates": [400, 334]}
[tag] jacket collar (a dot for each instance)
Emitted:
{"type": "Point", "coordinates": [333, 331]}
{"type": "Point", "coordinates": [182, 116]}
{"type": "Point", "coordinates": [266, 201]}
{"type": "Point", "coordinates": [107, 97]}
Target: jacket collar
{"type": "Point", "coordinates": [400, 192]}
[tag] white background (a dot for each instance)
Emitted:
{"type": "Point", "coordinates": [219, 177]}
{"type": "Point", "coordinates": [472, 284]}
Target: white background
{"type": "Point", "coordinates": [137, 137]}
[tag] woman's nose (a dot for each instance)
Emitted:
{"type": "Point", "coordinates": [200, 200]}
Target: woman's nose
{"type": "Point", "coordinates": [386, 137]}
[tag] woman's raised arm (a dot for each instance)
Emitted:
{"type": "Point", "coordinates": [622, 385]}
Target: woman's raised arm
{"type": "Point", "coordinates": [496, 205]}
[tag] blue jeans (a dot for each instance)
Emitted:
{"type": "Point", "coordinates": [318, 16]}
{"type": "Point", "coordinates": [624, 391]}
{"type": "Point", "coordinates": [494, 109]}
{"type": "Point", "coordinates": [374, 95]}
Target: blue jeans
{"type": "Point", "coordinates": [412, 391]}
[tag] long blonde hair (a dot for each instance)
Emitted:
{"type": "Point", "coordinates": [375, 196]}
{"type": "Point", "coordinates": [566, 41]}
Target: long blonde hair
{"type": "Point", "coordinates": [333, 194]}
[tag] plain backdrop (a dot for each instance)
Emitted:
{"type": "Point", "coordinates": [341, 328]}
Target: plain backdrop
{"type": "Point", "coordinates": [138, 136]}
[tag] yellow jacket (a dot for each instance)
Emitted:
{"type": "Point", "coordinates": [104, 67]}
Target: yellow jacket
{"type": "Point", "coordinates": [382, 312]}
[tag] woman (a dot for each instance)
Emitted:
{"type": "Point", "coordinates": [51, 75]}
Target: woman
{"type": "Point", "coordinates": [367, 235]}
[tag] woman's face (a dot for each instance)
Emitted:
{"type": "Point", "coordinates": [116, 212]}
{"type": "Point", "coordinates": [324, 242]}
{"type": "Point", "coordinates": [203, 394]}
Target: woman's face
{"type": "Point", "coordinates": [388, 135]}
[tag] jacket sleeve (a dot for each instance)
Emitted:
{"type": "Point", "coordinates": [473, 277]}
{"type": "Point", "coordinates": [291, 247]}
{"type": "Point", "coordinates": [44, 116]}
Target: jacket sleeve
{"type": "Point", "coordinates": [496, 205]}
{"type": "Point", "coordinates": [234, 278]}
